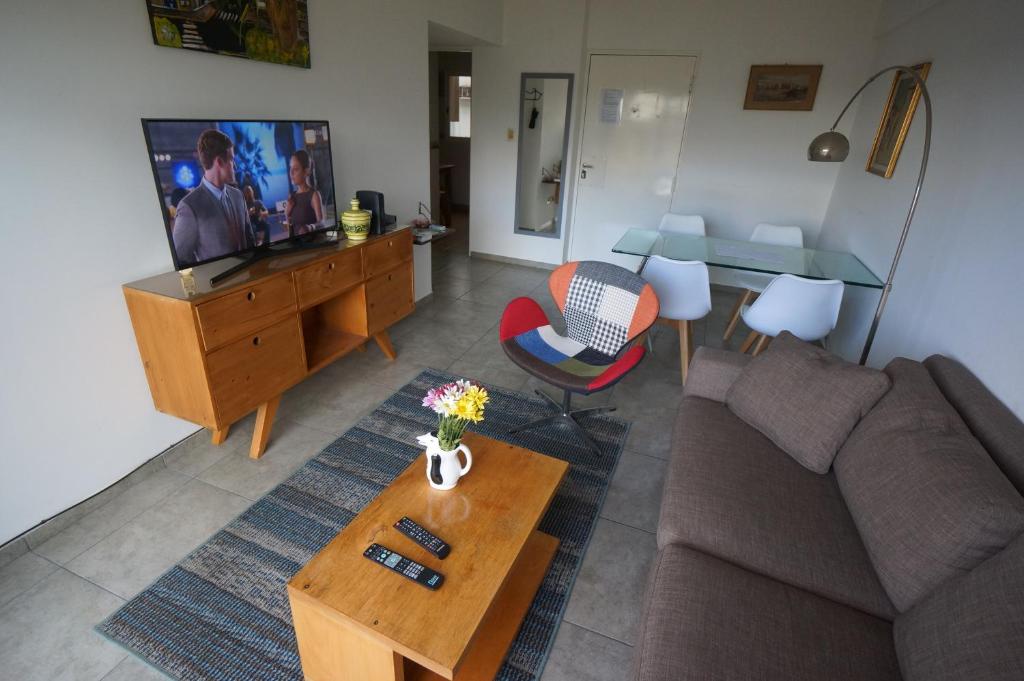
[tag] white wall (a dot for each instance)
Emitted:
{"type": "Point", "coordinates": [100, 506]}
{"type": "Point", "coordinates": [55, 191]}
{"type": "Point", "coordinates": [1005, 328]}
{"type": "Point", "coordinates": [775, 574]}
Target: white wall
{"type": "Point", "coordinates": [737, 168]}
{"type": "Point", "coordinates": [540, 37]}
{"type": "Point", "coordinates": [957, 290]}
{"type": "Point", "coordinates": [81, 215]}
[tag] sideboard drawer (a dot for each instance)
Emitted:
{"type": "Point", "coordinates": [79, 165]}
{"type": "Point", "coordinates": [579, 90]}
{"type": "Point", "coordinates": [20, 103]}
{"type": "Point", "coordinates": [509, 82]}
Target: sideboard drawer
{"type": "Point", "coordinates": [241, 312]}
{"type": "Point", "coordinates": [389, 251]}
{"type": "Point", "coordinates": [327, 277]}
{"type": "Point", "coordinates": [254, 369]}
{"type": "Point", "coordinates": [389, 298]}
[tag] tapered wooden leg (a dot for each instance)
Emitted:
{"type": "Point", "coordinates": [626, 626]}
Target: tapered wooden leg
{"type": "Point", "coordinates": [219, 436]}
{"type": "Point", "coordinates": [762, 343]}
{"type": "Point", "coordinates": [734, 317]}
{"type": "Point", "coordinates": [384, 341]}
{"type": "Point", "coordinates": [685, 346]}
{"type": "Point", "coordinates": [750, 341]}
{"type": "Point", "coordinates": [264, 422]}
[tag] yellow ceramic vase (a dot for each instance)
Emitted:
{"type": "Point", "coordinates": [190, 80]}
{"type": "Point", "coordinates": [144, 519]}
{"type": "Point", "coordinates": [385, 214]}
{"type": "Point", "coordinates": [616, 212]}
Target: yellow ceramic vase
{"type": "Point", "coordinates": [356, 222]}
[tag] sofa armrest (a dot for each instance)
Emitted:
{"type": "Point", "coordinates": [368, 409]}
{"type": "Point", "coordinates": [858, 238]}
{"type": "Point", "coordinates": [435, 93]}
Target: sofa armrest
{"type": "Point", "coordinates": [712, 372]}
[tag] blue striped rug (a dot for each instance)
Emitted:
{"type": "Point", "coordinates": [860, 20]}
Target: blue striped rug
{"type": "Point", "coordinates": [222, 613]}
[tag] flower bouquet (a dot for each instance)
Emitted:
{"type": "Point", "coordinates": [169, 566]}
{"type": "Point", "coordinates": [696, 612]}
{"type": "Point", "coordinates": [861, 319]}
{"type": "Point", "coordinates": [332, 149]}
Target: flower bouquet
{"type": "Point", "coordinates": [457, 405]}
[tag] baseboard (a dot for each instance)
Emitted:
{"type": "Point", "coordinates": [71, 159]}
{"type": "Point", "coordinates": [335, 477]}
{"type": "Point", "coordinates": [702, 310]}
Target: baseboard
{"type": "Point", "coordinates": [512, 261]}
{"type": "Point", "coordinates": [54, 525]}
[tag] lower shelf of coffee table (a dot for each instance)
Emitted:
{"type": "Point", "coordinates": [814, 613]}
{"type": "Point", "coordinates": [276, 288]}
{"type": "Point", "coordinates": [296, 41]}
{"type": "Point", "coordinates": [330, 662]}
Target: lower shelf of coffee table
{"type": "Point", "coordinates": [502, 622]}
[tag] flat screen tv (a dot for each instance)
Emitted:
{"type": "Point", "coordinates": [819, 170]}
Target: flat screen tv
{"type": "Point", "coordinates": [236, 187]}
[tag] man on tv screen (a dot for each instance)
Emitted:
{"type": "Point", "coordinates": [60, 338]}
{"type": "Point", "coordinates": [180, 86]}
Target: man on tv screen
{"type": "Point", "coordinates": [213, 220]}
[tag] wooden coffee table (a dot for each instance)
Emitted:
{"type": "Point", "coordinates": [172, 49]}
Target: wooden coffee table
{"type": "Point", "coordinates": [358, 621]}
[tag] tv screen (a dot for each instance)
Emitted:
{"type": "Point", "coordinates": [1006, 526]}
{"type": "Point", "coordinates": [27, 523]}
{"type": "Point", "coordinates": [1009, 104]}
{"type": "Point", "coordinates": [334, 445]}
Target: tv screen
{"type": "Point", "coordinates": [227, 186]}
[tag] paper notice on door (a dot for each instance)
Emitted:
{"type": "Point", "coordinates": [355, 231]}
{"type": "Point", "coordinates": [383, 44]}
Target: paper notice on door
{"type": "Point", "coordinates": [611, 105]}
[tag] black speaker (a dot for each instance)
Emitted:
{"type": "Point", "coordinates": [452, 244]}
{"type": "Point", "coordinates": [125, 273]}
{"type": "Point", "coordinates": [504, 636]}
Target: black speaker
{"type": "Point", "coordinates": [374, 202]}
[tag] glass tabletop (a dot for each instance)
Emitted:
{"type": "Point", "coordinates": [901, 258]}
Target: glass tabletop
{"type": "Point", "coordinates": [748, 255]}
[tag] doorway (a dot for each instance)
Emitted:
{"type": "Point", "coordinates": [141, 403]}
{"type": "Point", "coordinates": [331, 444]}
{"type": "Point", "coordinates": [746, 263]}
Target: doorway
{"type": "Point", "coordinates": [451, 126]}
{"type": "Point", "coordinates": [636, 108]}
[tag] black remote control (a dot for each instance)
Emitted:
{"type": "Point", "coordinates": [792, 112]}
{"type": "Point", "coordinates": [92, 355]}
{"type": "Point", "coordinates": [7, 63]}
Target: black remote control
{"type": "Point", "coordinates": [423, 537]}
{"type": "Point", "coordinates": [404, 566]}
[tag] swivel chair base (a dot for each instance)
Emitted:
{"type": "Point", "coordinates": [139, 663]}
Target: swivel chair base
{"type": "Point", "coordinates": [565, 415]}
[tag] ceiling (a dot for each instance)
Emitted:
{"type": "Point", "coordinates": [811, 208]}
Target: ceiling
{"type": "Point", "coordinates": [440, 36]}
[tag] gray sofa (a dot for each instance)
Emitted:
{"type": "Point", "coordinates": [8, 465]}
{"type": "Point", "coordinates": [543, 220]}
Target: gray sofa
{"type": "Point", "coordinates": [904, 561]}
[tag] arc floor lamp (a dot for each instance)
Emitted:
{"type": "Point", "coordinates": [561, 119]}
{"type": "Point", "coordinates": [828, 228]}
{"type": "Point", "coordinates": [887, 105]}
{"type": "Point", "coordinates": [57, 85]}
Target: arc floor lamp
{"type": "Point", "coordinates": [834, 146]}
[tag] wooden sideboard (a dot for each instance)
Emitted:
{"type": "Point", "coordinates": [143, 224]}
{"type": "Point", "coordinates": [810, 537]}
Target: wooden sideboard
{"type": "Point", "coordinates": [212, 355]}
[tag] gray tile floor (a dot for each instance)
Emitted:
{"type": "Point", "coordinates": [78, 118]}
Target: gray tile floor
{"type": "Point", "coordinates": [77, 570]}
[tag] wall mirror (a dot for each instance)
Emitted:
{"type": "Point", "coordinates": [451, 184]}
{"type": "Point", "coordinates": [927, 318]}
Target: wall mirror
{"type": "Point", "coordinates": [545, 100]}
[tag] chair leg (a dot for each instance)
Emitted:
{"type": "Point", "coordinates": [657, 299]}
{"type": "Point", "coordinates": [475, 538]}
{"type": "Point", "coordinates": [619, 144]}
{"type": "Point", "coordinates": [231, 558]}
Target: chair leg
{"type": "Point", "coordinates": [565, 415]}
{"type": "Point", "coordinates": [592, 410]}
{"type": "Point", "coordinates": [549, 399]}
{"type": "Point", "coordinates": [582, 434]}
{"type": "Point", "coordinates": [749, 341]}
{"type": "Point", "coordinates": [685, 346]}
{"type": "Point", "coordinates": [762, 343]}
{"type": "Point", "coordinates": [734, 317]}
{"type": "Point", "coordinates": [534, 424]}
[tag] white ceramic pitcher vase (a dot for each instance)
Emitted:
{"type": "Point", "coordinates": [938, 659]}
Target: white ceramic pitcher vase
{"type": "Point", "coordinates": [443, 466]}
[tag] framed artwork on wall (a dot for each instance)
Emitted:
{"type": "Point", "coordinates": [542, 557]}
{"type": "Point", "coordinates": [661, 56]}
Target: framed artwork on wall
{"type": "Point", "coordinates": [782, 87]}
{"type": "Point", "coordinates": [275, 31]}
{"type": "Point", "coordinates": [896, 118]}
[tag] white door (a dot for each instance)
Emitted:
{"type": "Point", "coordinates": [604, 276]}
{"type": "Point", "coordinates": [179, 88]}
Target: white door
{"type": "Point", "coordinates": [632, 135]}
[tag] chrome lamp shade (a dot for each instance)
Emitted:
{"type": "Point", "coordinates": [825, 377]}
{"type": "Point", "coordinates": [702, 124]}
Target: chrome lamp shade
{"type": "Point", "coordinates": [829, 146]}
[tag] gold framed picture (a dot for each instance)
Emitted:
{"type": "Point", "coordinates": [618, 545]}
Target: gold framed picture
{"type": "Point", "coordinates": [782, 87]}
{"type": "Point", "coordinates": [896, 118]}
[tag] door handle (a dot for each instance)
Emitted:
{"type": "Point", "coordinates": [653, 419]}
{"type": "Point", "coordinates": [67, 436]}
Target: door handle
{"type": "Point", "coordinates": [587, 166]}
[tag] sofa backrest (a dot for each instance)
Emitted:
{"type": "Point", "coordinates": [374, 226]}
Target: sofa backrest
{"type": "Point", "coordinates": [971, 627]}
{"type": "Point", "coordinates": [928, 501]}
{"type": "Point", "coordinates": [995, 426]}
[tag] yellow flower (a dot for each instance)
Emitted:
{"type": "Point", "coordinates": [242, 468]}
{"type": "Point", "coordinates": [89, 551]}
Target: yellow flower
{"type": "Point", "coordinates": [471, 405]}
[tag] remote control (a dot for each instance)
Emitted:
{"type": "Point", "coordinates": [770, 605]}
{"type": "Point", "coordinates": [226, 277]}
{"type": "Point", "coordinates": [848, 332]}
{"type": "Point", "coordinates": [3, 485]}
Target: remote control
{"type": "Point", "coordinates": [423, 537]}
{"type": "Point", "coordinates": [404, 566]}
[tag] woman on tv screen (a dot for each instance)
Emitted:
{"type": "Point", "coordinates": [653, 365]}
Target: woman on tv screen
{"type": "Point", "coordinates": [305, 208]}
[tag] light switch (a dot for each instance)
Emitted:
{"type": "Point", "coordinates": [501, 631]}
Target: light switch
{"type": "Point", "coordinates": [511, 134]}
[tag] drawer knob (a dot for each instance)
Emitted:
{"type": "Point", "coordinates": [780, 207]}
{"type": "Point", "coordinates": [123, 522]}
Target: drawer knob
{"type": "Point", "coordinates": [256, 340]}
{"type": "Point", "coordinates": [250, 296]}
{"type": "Point", "coordinates": [389, 244]}
{"type": "Point", "coordinates": [330, 266]}
{"type": "Point", "coordinates": [389, 277]}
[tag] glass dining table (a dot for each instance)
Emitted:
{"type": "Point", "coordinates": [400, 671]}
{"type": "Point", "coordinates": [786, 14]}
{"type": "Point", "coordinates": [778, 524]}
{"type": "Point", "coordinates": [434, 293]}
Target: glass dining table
{"type": "Point", "coordinates": [748, 255]}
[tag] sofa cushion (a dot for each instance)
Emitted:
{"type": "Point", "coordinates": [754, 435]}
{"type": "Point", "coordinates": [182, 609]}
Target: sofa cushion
{"type": "Point", "coordinates": [713, 371]}
{"type": "Point", "coordinates": [927, 499]}
{"type": "Point", "coordinates": [730, 492]}
{"type": "Point", "coordinates": [805, 399]}
{"type": "Point", "coordinates": [971, 627]}
{"type": "Point", "coordinates": [995, 426]}
{"type": "Point", "coordinates": [706, 619]}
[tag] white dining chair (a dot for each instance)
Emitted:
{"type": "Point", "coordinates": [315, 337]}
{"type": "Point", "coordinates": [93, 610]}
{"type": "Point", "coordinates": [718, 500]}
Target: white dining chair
{"type": "Point", "coordinates": [684, 295]}
{"type": "Point", "coordinates": [682, 224]}
{"type": "Point", "coordinates": [753, 283]}
{"type": "Point", "coordinates": [807, 308]}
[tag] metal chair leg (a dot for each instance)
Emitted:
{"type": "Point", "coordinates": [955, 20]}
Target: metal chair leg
{"type": "Point", "coordinates": [582, 434]}
{"type": "Point", "coordinates": [565, 415]}
{"type": "Point", "coordinates": [538, 422]}
{"type": "Point", "coordinates": [592, 410]}
{"type": "Point", "coordinates": [550, 399]}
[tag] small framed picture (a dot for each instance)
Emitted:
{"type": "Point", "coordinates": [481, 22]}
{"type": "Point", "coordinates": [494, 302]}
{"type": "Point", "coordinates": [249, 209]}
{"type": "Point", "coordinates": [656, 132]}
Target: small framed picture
{"type": "Point", "coordinates": [896, 118]}
{"type": "Point", "coordinates": [783, 87]}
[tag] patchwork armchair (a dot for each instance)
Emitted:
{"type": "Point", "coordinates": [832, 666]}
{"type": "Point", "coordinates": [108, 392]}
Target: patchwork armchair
{"type": "Point", "coordinates": [605, 307]}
